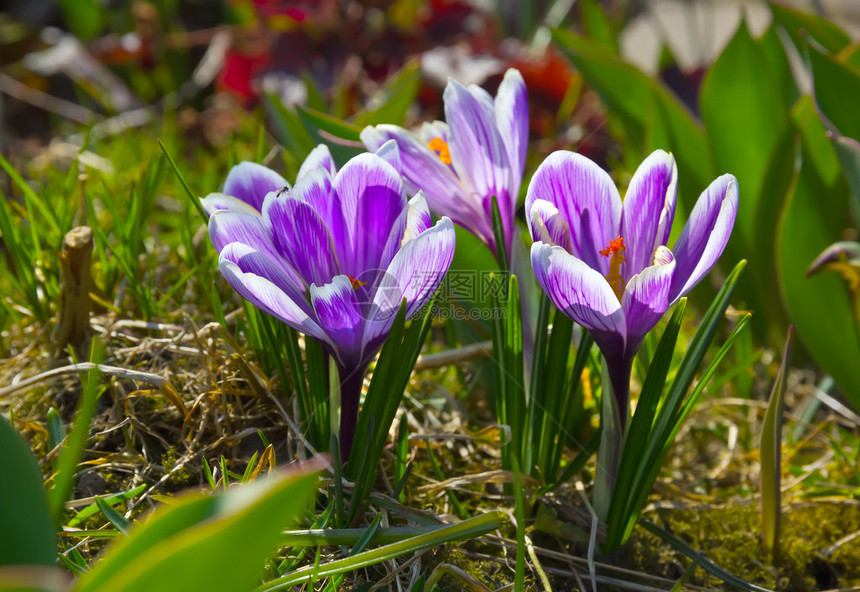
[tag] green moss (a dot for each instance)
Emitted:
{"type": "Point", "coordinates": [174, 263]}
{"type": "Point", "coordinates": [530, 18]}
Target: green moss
{"type": "Point", "coordinates": [181, 478]}
{"type": "Point", "coordinates": [731, 538]}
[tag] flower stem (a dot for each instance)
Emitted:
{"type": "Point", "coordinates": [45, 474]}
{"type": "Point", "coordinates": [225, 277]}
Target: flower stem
{"type": "Point", "coordinates": [350, 394]}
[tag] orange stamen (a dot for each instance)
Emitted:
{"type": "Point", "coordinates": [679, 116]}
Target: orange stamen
{"type": "Point", "coordinates": [614, 250]}
{"type": "Point", "coordinates": [616, 245]}
{"type": "Point", "coordinates": [440, 146]}
{"type": "Point", "coordinates": [356, 284]}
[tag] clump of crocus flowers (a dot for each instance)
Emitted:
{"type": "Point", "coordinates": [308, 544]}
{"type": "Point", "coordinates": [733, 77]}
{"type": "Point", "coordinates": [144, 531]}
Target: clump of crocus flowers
{"type": "Point", "coordinates": [333, 256]}
{"type": "Point", "coordinates": [605, 263]}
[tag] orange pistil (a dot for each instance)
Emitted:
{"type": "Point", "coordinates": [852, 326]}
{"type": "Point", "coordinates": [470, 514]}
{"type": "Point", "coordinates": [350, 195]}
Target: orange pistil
{"type": "Point", "coordinates": [615, 251]}
{"type": "Point", "coordinates": [440, 146]}
{"type": "Point", "coordinates": [356, 284]}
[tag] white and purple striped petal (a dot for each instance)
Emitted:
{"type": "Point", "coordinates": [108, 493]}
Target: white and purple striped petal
{"type": "Point", "coordinates": [220, 201]}
{"type": "Point", "coordinates": [250, 182]}
{"type": "Point", "coordinates": [512, 120]}
{"type": "Point", "coordinates": [649, 208]}
{"type": "Point", "coordinates": [371, 197]}
{"type": "Point", "coordinates": [705, 235]}
{"type": "Point", "coordinates": [582, 293]}
{"type": "Point", "coordinates": [265, 294]}
{"type": "Point", "coordinates": [339, 314]}
{"type": "Point", "coordinates": [232, 226]}
{"type": "Point", "coordinates": [302, 238]}
{"type": "Point", "coordinates": [549, 227]}
{"type": "Point", "coordinates": [587, 200]}
{"type": "Point", "coordinates": [415, 274]}
{"type": "Point", "coordinates": [646, 298]}
{"type": "Point", "coordinates": [418, 217]}
{"type": "Point", "coordinates": [478, 153]}
{"type": "Point", "coordinates": [422, 170]}
{"type": "Point", "coordinates": [318, 158]}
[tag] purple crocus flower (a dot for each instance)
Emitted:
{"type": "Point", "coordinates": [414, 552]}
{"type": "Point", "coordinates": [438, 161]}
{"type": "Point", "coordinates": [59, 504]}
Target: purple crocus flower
{"type": "Point", "coordinates": [606, 265]}
{"type": "Point", "coordinates": [478, 154]}
{"type": "Point", "coordinates": [333, 256]}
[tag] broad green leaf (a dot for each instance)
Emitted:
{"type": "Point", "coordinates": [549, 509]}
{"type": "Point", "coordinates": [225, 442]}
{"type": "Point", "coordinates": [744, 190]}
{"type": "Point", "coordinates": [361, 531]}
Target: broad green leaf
{"type": "Point", "coordinates": [837, 92]}
{"type": "Point", "coordinates": [25, 519]}
{"type": "Point", "coordinates": [746, 94]}
{"type": "Point", "coordinates": [744, 112]}
{"type": "Point", "coordinates": [800, 24]}
{"type": "Point", "coordinates": [815, 216]}
{"type": "Point", "coordinates": [597, 24]}
{"type": "Point", "coordinates": [769, 322]}
{"type": "Point", "coordinates": [206, 542]}
{"type": "Point", "coordinates": [770, 452]}
{"type": "Point", "coordinates": [848, 152]}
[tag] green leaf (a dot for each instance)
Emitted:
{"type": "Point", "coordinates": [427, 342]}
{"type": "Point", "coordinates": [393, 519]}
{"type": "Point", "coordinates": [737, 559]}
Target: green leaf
{"type": "Point", "coordinates": [673, 409]}
{"type": "Point", "coordinates": [25, 519]}
{"type": "Point", "coordinates": [651, 114]}
{"type": "Point", "coordinates": [399, 94]}
{"type": "Point", "coordinates": [115, 518]}
{"type": "Point", "coordinates": [473, 527]}
{"type": "Point", "coordinates": [770, 452]}
{"type": "Point", "coordinates": [330, 124]}
{"type": "Point", "coordinates": [84, 17]}
{"type": "Point", "coordinates": [186, 546]}
{"type": "Point", "coordinates": [597, 25]}
{"type": "Point", "coordinates": [800, 24]}
{"type": "Point", "coordinates": [815, 216]}
{"type": "Point", "coordinates": [837, 92]}
{"type": "Point", "coordinates": [110, 500]}
{"type": "Point", "coordinates": [289, 126]}
{"type": "Point", "coordinates": [742, 97]}
{"type": "Point", "coordinates": [71, 453]}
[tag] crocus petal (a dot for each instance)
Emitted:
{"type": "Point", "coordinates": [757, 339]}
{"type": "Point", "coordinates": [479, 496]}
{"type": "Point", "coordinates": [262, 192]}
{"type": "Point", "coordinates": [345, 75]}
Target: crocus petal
{"type": "Point", "coordinates": [302, 238]}
{"type": "Point", "coordinates": [587, 199]}
{"type": "Point", "coordinates": [422, 169]}
{"type": "Point", "coordinates": [390, 153]}
{"type": "Point", "coordinates": [231, 226]}
{"type": "Point", "coordinates": [646, 297]}
{"type": "Point", "coordinates": [250, 182]}
{"type": "Point", "coordinates": [649, 208]}
{"type": "Point", "coordinates": [478, 153]}
{"type": "Point", "coordinates": [434, 129]}
{"type": "Point", "coordinates": [339, 314]}
{"type": "Point", "coordinates": [705, 235]}
{"type": "Point", "coordinates": [549, 226]}
{"type": "Point", "coordinates": [268, 297]}
{"type": "Point", "coordinates": [581, 293]}
{"type": "Point", "coordinates": [512, 121]}
{"type": "Point", "coordinates": [370, 193]}
{"type": "Point", "coordinates": [270, 267]}
{"type": "Point", "coordinates": [319, 158]}
{"type": "Point", "coordinates": [314, 188]}
{"type": "Point", "coordinates": [418, 219]}
{"type": "Point", "coordinates": [415, 273]}
{"type": "Point", "coordinates": [220, 201]}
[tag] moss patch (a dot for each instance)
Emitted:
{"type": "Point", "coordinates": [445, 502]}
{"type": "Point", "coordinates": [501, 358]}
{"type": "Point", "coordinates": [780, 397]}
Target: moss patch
{"type": "Point", "coordinates": [731, 538]}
